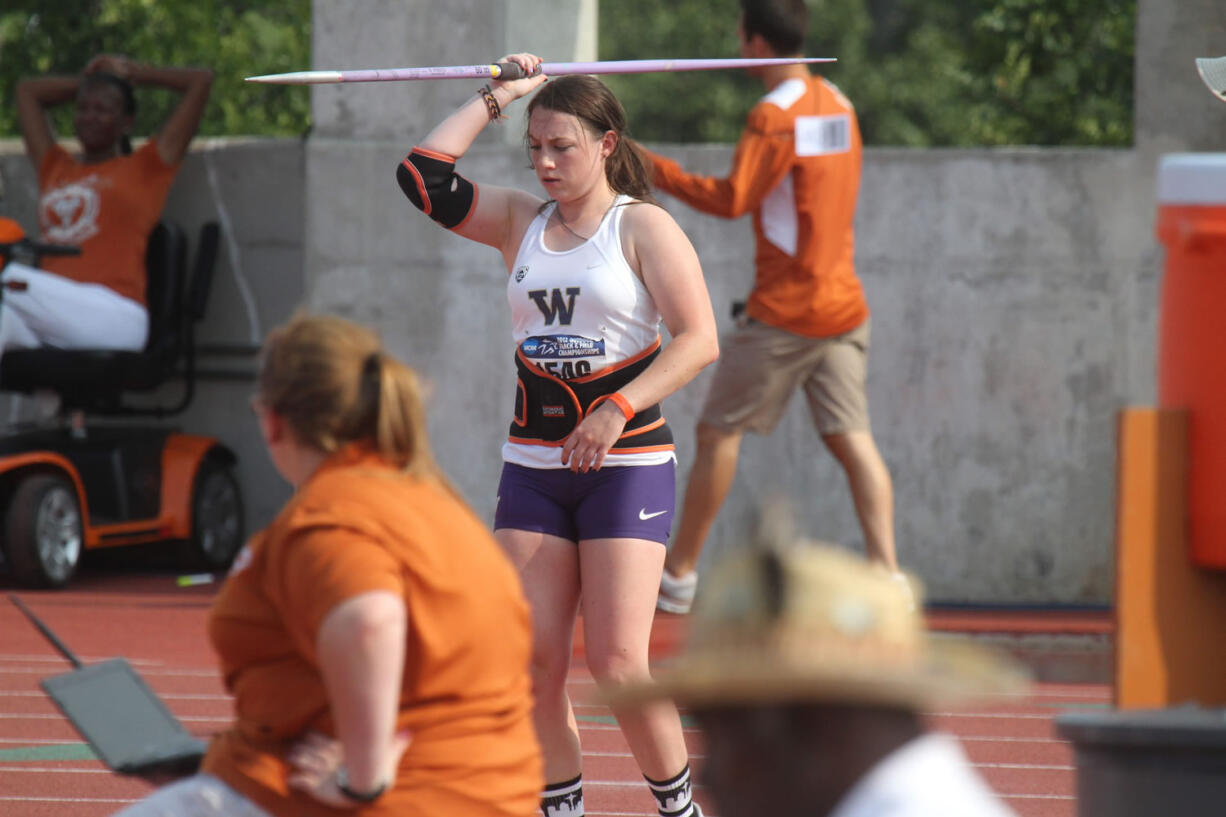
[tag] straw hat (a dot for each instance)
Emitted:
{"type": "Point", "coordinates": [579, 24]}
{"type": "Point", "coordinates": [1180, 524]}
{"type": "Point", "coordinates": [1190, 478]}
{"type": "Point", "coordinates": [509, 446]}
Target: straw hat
{"type": "Point", "coordinates": [813, 622]}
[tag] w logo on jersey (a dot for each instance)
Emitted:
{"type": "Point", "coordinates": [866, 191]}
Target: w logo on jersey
{"type": "Point", "coordinates": [557, 307]}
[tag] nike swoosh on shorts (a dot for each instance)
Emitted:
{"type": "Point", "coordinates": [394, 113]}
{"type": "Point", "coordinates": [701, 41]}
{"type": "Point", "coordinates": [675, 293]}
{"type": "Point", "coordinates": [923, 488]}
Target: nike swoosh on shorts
{"type": "Point", "coordinates": [645, 516]}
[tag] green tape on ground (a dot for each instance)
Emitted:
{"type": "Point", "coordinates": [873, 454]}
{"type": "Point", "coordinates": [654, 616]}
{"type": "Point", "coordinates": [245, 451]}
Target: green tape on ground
{"type": "Point", "coordinates": [65, 751]}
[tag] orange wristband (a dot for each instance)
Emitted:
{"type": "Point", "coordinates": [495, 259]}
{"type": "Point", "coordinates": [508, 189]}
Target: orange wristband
{"type": "Point", "coordinates": [623, 404]}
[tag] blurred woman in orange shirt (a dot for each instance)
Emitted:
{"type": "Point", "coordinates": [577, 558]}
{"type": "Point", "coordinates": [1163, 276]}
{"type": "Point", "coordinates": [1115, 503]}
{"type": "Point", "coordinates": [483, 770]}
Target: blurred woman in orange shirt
{"type": "Point", "coordinates": [374, 636]}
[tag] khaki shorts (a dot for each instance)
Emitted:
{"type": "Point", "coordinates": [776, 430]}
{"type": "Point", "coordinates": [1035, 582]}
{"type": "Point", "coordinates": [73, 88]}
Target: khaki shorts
{"type": "Point", "coordinates": [760, 366]}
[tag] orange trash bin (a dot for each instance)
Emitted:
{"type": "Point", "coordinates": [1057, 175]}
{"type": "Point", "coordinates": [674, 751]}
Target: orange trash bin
{"type": "Point", "coordinates": [1192, 335]}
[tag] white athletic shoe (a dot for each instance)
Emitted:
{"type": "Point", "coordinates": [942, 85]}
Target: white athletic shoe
{"type": "Point", "coordinates": [677, 594]}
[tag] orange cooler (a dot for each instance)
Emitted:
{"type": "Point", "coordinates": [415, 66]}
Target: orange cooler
{"type": "Point", "coordinates": [1192, 335]}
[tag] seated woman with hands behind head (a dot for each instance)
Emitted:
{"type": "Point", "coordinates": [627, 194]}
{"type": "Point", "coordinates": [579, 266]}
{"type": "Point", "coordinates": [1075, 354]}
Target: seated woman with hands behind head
{"type": "Point", "coordinates": [106, 202]}
{"type": "Point", "coordinates": [374, 637]}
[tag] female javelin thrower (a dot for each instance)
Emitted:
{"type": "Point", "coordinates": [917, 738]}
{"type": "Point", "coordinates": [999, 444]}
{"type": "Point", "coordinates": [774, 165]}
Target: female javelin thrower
{"type": "Point", "coordinates": [587, 490]}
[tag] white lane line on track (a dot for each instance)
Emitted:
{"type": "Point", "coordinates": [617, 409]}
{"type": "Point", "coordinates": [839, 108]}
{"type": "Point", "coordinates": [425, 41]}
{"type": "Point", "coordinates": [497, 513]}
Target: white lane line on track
{"type": "Point", "coordinates": [1036, 796]}
{"type": "Point", "coordinates": [586, 753]}
{"type": "Point", "coordinates": [165, 672]}
{"type": "Point", "coordinates": [1088, 695]}
{"type": "Point", "coordinates": [1090, 691]}
{"type": "Point", "coordinates": [68, 799]}
{"type": "Point", "coordinates": [586, 726]}
{"type": "Point", "coordinates": [54, 770]}
{"type": "Point", "coordinates": [1032, 716]}
{"type": "Point", "coordinates": [1005, 739]}
{"type": "Point", "coordinates": [166, 696]}
{"type": "Point", "coordinates": [85, 659]}
{"type": "Point", "coordinates": [621, 785]}
{"type": "Point", "coordinates": [10, 716]}
{"type": "Point", "coordinates": [1027, 766]}
{"type": "Point", "coordinates": [18, 716]}
{"type": "Point", "coordinates": [589, 813]}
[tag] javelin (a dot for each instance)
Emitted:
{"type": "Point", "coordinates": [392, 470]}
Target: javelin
{"type": "Point", "coordinates": [511, 70]}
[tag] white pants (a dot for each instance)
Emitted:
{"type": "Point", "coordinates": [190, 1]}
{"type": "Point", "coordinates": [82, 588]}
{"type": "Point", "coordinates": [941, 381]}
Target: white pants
{"type": "Point", "coordinates": [56, 311]}
{"type": "Point", "coordinates": [200, 795]}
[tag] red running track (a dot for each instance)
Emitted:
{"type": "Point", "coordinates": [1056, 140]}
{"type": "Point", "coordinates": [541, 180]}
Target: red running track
{"type": "Point", "coordinates": [46, 771]}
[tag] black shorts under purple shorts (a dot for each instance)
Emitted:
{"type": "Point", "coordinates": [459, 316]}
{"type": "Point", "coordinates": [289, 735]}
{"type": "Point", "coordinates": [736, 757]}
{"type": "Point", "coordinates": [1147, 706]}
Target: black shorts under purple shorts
{"type": "Point", "coordinates": [617, 502]}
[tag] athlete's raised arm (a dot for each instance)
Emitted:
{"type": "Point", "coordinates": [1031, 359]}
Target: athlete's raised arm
{"type": "Point", "coordinates": [489, 214]}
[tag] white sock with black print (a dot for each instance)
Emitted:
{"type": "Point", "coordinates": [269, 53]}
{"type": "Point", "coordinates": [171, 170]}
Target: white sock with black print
{"type": "Point", "coordinates": [563, 799]}
{"type": "Point", "coordinates": [675, 796]}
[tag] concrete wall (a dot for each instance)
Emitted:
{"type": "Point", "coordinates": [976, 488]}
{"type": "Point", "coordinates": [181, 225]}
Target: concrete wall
{"type": "Point", "coordinates": [1014, 293]}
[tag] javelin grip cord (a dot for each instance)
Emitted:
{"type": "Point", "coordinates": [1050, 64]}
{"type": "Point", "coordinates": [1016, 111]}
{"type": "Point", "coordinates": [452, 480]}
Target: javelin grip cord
{"type": "Point", "coordinates": [511, 70]}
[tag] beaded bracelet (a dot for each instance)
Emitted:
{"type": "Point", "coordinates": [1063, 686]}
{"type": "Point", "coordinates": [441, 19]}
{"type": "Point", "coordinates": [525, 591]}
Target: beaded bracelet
{"type": "Point", "coordinates": [491, 103]}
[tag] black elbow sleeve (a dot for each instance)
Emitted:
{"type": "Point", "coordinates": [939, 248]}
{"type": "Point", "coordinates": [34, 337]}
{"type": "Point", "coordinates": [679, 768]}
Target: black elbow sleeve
{"type": "Point", "coordinates": [431, 183]}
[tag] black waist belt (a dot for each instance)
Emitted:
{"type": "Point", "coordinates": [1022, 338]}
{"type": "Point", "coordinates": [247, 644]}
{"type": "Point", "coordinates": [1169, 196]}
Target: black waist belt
{"type": "Point", "coordinates": [547, 408]}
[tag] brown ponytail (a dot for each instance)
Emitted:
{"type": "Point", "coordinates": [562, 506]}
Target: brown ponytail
{"type": "Point", "coordinates": [332, 382]}
{"type": "Point", "coordinates": [627, 171]}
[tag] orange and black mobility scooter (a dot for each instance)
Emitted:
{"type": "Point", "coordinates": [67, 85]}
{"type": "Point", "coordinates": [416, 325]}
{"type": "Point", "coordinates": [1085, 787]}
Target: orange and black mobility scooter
{"type": "Point", "coordinates": [102, 473]}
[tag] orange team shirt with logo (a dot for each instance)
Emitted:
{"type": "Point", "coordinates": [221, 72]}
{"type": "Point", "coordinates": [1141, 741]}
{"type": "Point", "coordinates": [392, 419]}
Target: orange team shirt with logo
{"type": "Point", "coordinates": [797, 168]}
{"type": "Point", "coordinates": [359, 525]}
{"type": "Point", "coordinates": [108, 210]}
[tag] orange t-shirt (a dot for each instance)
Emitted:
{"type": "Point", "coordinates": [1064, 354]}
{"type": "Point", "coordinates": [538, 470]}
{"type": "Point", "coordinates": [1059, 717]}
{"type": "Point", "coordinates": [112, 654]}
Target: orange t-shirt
{"type": "Point", "coordinates": [108, 210]}
{"type": "Point", "coordinates": [797, 168]}
{"type": "Point", "coordinates": [359, 525]}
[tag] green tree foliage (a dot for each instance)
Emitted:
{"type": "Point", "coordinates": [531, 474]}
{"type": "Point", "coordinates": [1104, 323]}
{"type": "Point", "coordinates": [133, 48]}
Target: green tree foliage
{"type": "Point", "coordinates": [236, 38]}
{"type": "Point", "coordinates": [921, 72]}
{"type": "Point", "coordinates": [700, 106]}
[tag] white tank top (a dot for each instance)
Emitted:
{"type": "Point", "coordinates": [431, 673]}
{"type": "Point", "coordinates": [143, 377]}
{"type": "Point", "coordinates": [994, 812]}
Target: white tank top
{"type": "Point", "coordinates": [575, 312]}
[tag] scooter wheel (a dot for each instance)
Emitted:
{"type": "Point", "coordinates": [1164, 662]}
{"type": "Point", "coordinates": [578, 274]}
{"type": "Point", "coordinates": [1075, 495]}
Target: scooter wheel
{"type": "Point", "coordinates": [43, 531]}
{"type": "Point", "coordinates": [217, 516]}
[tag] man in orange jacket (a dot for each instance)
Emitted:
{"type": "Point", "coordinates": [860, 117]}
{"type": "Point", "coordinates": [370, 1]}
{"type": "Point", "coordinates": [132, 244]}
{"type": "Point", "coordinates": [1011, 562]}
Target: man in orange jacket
{"type": "Point", "coordinates": [806, 323]}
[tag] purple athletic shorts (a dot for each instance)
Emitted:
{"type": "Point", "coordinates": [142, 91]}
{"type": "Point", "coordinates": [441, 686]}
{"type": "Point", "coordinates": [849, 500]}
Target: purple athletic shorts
{"type": "Point", "coordinates": [616, 502]}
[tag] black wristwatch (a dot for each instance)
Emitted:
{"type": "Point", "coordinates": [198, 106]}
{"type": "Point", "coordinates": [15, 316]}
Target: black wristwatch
{"type": "Point", "coordinates": [342, 783]}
